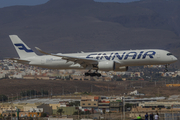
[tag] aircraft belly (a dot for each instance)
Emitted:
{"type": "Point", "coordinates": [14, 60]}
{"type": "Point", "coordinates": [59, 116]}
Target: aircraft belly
{"type": "Point", "coordinates": [58, 64]}
{"type": "Point", "coordinates": [139, 62]}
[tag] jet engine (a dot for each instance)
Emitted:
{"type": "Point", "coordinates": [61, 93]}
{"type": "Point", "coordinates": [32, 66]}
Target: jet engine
{"type": "Point", "coordinates": [123, 68]}
{"type": "Point", "coordinates": [106, 65]}
{"type": "Point", "coordinates": [111, 66]}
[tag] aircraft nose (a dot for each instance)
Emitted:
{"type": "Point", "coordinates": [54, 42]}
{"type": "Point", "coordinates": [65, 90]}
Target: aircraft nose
{"type": "Point", "coordinates": [174, 59]}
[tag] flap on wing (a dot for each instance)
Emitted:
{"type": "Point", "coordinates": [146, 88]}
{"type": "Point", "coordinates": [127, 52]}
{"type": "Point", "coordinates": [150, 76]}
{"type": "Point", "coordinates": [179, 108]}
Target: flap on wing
{"type": "Point", "coordinates": [79, 60]}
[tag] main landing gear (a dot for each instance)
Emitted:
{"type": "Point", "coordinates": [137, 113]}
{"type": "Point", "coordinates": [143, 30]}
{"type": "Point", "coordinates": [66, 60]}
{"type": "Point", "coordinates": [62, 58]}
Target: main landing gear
{"type": "Point", "coordinates": [93, 74]}
{"type": "Point", "coordinates": [166, 70]}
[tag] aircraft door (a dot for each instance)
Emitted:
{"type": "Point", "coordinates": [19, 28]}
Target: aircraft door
{"type": "Point", "coordinates": [43, 61]}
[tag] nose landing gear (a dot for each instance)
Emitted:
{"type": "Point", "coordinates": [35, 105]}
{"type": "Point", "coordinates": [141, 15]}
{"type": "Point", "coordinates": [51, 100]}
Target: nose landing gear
{"type": "Point", "coordinates": [166, 70]}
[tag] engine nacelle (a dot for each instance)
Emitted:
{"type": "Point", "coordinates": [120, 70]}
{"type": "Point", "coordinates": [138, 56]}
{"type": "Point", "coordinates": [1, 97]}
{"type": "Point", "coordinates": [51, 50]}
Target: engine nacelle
{"type": "Point", "coordinates": [111, 66]}
{"type": "Point", "coordinates": [123, 68]}
{"type": "Point", "coordinates": [106, 65]}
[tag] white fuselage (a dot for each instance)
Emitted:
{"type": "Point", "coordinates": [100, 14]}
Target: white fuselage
{"type": "Point", "coordinates": [124, 58]}
{"type": "Point", "coordinates": [105, 61]}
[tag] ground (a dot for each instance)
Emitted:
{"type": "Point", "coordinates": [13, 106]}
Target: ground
{"type": "Point", "coordinates": [150, 89]}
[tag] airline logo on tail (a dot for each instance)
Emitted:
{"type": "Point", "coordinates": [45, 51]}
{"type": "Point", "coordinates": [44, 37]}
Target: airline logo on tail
{"type": "Point", "coordinates": [22, 47]}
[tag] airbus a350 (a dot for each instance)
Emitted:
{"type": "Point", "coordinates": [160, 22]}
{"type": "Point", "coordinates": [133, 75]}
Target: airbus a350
{"type": "Point", "coordinates": [92, 61]}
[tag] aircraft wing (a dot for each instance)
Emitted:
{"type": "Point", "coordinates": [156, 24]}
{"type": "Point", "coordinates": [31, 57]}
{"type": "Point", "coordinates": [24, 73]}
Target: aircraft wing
{"type": "Point", "coordinates": [80, 60]}
{"type": "Point", "coordinates": [19, 60]}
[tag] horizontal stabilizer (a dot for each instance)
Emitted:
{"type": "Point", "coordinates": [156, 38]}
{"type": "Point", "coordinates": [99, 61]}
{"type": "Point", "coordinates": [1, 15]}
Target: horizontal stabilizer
{"type": "Point", "coordinates": [19, 60]}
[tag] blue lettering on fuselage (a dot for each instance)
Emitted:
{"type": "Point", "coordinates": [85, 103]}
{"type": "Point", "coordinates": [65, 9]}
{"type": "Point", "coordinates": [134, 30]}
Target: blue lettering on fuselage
{"type": "Point", "coordinates": [106, 57]}
{"type": "Point", "coordinates": [130, 55]}
{"type": "Point", "coordinates": [90, 55]}
{"type": "Point", "coordinates": [140, 54]}
{"type": "Point", "coordinates": [125, 56]}
{"type": "Point", "coordinates": [98, 56]}
{"type": "Point", "coordinates": [118, 56]}
{"type": "Point", "coordinates": [149, 53]}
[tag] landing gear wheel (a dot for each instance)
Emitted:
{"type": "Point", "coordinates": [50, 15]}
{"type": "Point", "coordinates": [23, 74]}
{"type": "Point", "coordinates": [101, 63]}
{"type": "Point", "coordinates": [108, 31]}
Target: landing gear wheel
{"type": "Point", "coordinates": [86, 74]}
{"type": "Point", "coordinates": [92, 74]}
{"type": "Point", "coordinates": [98, 74]}
{"type": "Point", "coordinates": [166, 68]}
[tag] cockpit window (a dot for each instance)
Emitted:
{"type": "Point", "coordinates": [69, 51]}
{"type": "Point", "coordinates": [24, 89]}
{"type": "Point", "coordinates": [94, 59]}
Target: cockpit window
{"type": "Point", "coordinates": [169, 54]}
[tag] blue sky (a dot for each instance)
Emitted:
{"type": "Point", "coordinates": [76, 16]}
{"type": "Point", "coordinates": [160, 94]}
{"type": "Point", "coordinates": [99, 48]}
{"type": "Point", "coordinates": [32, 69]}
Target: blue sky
{"type": "Point", "coordinates": [5, 3]}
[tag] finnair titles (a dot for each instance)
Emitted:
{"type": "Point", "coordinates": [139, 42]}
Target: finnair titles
{"type": "Point", "coordinates": [124, 56]}
{"type": "Point", "coordinates": [92, 61]}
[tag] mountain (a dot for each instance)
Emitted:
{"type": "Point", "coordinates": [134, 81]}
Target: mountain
{"type": "Point", "coordinates": [85, 25]}
{"type": "Point", "coordinates": [5, 3]}
{"type": "Point", "coordinates": [120, 1]}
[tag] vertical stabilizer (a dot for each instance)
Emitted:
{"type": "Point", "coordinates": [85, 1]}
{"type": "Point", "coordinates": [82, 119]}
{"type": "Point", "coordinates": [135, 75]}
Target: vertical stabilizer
{"type": "Point", "coordinates": [22, 49]}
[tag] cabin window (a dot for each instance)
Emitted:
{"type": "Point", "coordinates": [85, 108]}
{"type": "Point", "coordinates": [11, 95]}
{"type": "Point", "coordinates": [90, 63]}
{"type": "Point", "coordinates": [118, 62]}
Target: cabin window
{"type": "Point", "coordinates": [169, 54]}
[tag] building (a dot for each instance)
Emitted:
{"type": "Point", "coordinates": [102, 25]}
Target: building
{"type": "Point", "coordinates": [160, 105]}
{"type": "Point", "coordinates": [89, 98]}
{"type": "Point", "coordinates": [46, 108]}
{"type": "Point", "coordinates": [104, 106]}
{"type": "Point", "coordinates": [27, 107]}
{"type": "Point", "coordinates": [89, 103]}
{"type": "Point", "coordinates": [116, 106]}
{"type": "Point", "coordinates": [54, 106]}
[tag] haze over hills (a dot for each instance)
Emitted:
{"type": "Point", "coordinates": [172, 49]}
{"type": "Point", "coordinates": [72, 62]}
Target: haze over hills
{"type": "Point", "coordinates": [85, 25]}
{"type": "Point", "coordinates": [5, 3]}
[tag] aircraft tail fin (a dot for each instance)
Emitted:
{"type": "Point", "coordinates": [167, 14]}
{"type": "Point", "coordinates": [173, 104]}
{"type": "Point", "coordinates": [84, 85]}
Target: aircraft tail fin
{"type": "Point", "coordinates": [22, 49]}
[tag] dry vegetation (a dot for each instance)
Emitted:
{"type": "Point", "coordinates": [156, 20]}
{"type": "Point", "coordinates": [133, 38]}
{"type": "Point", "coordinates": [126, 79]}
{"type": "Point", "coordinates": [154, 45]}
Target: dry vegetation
{"type": "Point", "coordinates": [8, 87]}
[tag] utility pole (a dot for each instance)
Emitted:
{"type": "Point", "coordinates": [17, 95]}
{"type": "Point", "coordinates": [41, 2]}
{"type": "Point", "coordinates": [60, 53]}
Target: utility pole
{"type": "Point", "coordinates": [34, 93]}
{"type": "Point", "coordinates": [124, 108]}
{"type": "Point", "coordinates": [11, 110]}
{"type": "Point", "coordinates": [30, 94]}
{"type": "Point", "coordinates": [51, 91]}
{"type": "Point", "coordinates": [26, 95]}
{"type": "Point", "coordinates": [12, 97]}
{"type": "Point", "coordinates": [76, 88]}
{"type": "Point", "coordinates": [17, 96]}
{"type": "Point", "coordinates": [11, 106]}
{"type": "Point", "coordinates": [8, 98]}
{"type": "Point", "coordinates": [62, 90]}
{"type": "Point", "coordinates": [41, 93]}
{"type": "Point", "coordinates": [108, 87]}
{"type": "Point", "coordinates": [91, 88]}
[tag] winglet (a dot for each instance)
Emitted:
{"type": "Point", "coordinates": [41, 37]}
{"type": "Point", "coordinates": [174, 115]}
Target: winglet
{"type": "Point", "coordinates": [42, 51]}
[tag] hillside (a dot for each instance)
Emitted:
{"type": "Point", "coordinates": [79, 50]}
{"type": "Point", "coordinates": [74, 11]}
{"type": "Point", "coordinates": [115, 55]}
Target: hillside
{"type": "Point", "coordinates": [14, 86]}
{"type": "Point", "coordinates": [84, 25]}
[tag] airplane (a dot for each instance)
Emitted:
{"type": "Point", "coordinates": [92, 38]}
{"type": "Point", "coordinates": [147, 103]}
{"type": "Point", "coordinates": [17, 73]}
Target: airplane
{"type": "Point", "coordinates": [92, 61]}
